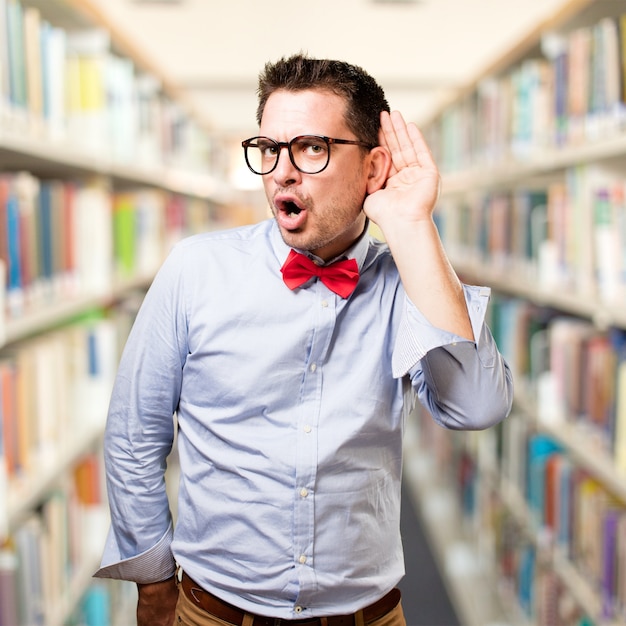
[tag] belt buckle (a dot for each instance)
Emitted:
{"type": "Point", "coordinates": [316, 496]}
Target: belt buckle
{"type": "Point", "coordinates": [278, 621]}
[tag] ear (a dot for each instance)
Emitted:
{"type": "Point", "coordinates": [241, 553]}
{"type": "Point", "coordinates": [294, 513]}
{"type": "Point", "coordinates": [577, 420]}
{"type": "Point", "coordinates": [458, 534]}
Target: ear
{"type": "Point", "coordinates": [379, 166]}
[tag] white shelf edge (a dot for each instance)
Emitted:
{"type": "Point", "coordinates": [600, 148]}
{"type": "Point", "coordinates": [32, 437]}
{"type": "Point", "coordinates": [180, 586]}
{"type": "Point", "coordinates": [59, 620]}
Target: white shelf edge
{"type": "Point", "coordinates": [54, 313]}
{"type": "Point", "coordinates": [64, 154]}
{"type": "Point", "coordinates": [25, 492]}
{"type": "Point", "coordinates": [514, 283]}
{"type": "Point", "coordinates": [545, 161]}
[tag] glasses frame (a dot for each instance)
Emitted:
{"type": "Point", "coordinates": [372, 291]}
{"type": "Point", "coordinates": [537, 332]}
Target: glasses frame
{"type": "Point", "coordinates": [248, 143]}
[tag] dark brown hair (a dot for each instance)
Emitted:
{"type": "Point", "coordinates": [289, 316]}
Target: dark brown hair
{"type": "Point", "coordinates": [364, 97]}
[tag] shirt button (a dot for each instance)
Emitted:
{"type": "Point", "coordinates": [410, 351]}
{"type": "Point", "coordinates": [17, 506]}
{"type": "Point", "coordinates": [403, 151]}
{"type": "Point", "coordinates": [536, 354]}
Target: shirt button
{"type": "Point", "coordinates": [302, 559]}
{"type": "Point", "coordinates": [307, 429]}
{"type": "Point", "coordinates": [324, 303]}
{"type": "Point", "coordinates": [298, 609]}
{"type": "Point", "coordinates": [313, 367]}
{"type": "Point", "coordinates": [303, 492]}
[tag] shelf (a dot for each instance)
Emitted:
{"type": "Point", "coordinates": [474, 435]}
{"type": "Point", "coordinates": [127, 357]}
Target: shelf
{"type": "Point", "coordinates": [545, 170]}
{"type": "Point", "coordinates": [580, 446]}
{"type": "Point", "coordinates": [111, 149]}
{"type": "Point", "coordinates": [26, 492]}
{"type": "Point", "coordinates": [545, 161]}
{"type": "Point", "coordinates": [512, 283]}
{"type": "Point", "coordinates": [55, 158]}
{"type": "Point", "coordinates": [578, 586]}
{"type": "Point", "coordinates": [80, 582]}
{"type": "Point", "coordinates": [60, 311]}
{"type": "Point", "coordinates": [594, 459]}
{"type": "Point", "coordinates": [468, 578]}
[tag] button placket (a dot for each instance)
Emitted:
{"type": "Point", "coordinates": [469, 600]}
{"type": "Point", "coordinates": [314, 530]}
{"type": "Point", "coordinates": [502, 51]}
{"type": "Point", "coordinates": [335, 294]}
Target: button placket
{"type": "Point", "coordinates": [307, 444]}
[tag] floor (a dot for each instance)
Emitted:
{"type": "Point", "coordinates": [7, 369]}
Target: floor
{"type": "Point", "coordinates": [424, 597]}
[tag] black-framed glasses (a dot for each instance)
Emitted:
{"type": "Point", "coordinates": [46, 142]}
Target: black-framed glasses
{"type": "Point", "coordinates": [310, 154]}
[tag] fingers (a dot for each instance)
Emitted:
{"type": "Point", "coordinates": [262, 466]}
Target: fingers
{"type": "Point", "coordinates": [404, 141]}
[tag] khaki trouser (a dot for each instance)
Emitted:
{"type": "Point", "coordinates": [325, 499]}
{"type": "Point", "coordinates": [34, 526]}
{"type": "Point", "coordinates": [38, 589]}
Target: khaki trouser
{"type": "Point", "coordinates": [188, 614]}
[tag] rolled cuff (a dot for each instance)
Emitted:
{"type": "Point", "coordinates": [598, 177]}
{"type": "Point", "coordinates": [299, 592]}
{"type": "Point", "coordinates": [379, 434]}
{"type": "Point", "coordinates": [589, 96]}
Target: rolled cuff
{"type": "Point", "coordinates": [417, 336]}
{"type": "Point", "coordinates": [153, 565]}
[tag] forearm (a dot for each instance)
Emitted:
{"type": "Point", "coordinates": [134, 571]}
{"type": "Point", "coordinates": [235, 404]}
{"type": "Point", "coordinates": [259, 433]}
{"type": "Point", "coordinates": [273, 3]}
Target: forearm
{"type": "Point", "coordinates": [427, 275]}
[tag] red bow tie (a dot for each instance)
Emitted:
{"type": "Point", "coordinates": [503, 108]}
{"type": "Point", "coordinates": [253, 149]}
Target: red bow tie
{"type": "Point", "coordinates": [340, 277]}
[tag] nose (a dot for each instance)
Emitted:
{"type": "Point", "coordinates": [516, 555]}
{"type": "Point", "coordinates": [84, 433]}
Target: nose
{"type": "Point", "coordinates": [285, 172]}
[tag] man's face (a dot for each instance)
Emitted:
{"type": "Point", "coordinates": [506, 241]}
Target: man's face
{"type": "Point", "coordinates": [317, 212]}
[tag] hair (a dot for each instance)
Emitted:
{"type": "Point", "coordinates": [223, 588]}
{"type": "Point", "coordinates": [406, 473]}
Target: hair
{"type": "Point", "coordinates": [364, 97]}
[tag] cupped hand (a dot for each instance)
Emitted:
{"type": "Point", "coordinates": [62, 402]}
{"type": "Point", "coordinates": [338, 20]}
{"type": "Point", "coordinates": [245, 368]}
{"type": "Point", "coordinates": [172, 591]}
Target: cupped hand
{"type": "Point", "coordinates": [412, 187]}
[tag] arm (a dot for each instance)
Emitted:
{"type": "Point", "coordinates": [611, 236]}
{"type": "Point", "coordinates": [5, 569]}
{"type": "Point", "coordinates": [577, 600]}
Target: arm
{"type": "Point", "coordinates": [140, 432]}
{"type": "Point", "coordinates": [443, 344]}
{"type": "Point", "coordinates": [403, 210]}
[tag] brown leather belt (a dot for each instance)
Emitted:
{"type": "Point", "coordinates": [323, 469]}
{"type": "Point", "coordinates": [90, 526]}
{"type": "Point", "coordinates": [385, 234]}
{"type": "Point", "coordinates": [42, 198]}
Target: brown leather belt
{"type": "Point", "coordinates": [229, 613]}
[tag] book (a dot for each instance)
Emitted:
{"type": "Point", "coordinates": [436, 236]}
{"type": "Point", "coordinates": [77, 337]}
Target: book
{"type": "Point", "coordinates": [124, 234]}
{"type": "Point", "coordinates": [540, 449]}
{"type": "Point", "coordinates": [5, 89]}
{"type": "Point", "coordinates": [28, 542]}
{"type": "Point", "coordinates": [608, 580]}
{"type": "Point", "coordinates": [579, 46]}
{"type": "Point", "coordinates": [33, 65]}
{"type": "Point", "coordinates": [8, 586]}
{"type": "Point", "coordinates": [93, 237]}
{"type": "Point", "coordinates": [53, 46]}
{"type": "Point", "coordinates": [619, 445]}
{"type": "Point", "coordinates": [87, 55]}
{"type": "Point", "coordinates": [96, 605]}
{"type": "Point", "coordinates": [17, 64]}
{"type": "Point", "coordinates": [15, 302]}
{"type": "Point", "coordinates": [607, 244]}
{"type": "Point", "coordinates": [122, 108]}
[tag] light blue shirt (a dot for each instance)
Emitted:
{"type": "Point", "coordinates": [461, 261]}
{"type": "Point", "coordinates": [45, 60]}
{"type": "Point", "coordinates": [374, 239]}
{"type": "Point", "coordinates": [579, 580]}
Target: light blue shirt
{"type": "Point", "coordinates": [290, 408]}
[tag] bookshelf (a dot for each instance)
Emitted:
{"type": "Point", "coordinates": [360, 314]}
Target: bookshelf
{"type": "Point", "coordinates": [103, 166]}
{"type": "Point", "coordinates": [533, 161]}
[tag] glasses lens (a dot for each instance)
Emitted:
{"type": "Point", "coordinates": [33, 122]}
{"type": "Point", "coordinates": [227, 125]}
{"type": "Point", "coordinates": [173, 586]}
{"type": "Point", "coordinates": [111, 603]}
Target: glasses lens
{"type": "Point", "coordinates": [310, 153]}
{"type": "Point", "coordinates": [261, 154]}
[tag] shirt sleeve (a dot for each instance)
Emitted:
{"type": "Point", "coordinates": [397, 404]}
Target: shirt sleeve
{"type": "Point", "coordinates": [464, 384]}
{"type": "Point", "coordinates": [153, 565]}
{"type": "Point", "coordinates": [139, 433]}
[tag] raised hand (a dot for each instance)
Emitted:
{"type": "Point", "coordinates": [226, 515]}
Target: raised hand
{"type": "Point", "coordinates": [403, 210]}
{"type": "Point", "coordinates": [412, 187]}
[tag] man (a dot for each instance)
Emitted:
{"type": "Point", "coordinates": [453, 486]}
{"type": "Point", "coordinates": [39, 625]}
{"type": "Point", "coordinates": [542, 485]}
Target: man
{"type": "Point", "coordinates": [290, 398]}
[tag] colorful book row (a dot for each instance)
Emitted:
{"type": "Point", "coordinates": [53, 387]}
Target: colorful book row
{"type": "Point", "coordinates": [569, 235]}
{"type": "Point", "coordinates": [574, 372]}
{"type": "Point", "coordinates": [69, 85]}
{"type": "Point", "coordinates": [61, 240]}
{"type": "Point", "coordinates": [44, 559]}
{"type": "Point", "coordinates": [556, 536]}
{"type": "Point", "coordinates": [572, 516]}
{"type": "Point", "coordinates": [571, 93]}
{"type": "Point", "coordinates": [54, 387]}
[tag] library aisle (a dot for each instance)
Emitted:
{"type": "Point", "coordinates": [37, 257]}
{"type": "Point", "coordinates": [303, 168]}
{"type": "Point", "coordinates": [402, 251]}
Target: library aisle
{"type": "Point", "coordinates": [105, 164]}
{"type": "Point", "coordinates": [425, 598]}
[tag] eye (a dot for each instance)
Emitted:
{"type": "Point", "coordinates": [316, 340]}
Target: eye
{"type": "Point", "coordinates": [312, 146]}
{"type": "Point", "coordinates": [267, 148]}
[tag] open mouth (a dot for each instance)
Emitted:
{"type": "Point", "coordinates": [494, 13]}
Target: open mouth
{"type": "Point", "coordinates": [291, 212]}
{"type": "Point", "coordinates": [289, 204]}
{"type": "Point", "coordinates": [291, 209]}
